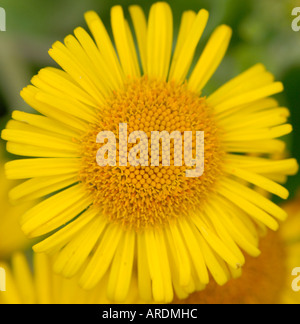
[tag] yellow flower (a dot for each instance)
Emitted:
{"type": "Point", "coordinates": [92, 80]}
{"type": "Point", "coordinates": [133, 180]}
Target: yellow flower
{"type": "Point", "coordinates": [267, 279]}
{"type": "Point", "coordinates": [42, 286]}
{"type": "Point", "coordinates": [148, 221]}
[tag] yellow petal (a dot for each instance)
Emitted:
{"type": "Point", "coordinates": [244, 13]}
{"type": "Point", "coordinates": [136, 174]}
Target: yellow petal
{"type": "Point", "coordinates": [124, 42]}
{"type": "Point", "coordinates": [159, 40]}
{"type": "Point", "coordinates": [210, 58]}
{"type": "Point", "coordinates": [140, 28]}
{"type": "Point", "coordinates": [104, 44]}
{"type": "Point", "coordinates": [182, 62]}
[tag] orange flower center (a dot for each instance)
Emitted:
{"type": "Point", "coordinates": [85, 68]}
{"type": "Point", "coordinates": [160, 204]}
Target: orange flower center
{"type": "Point", "coordinates": [145, 194]}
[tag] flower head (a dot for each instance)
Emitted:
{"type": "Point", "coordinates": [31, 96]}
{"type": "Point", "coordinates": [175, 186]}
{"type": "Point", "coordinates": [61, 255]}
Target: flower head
{"type": "Point", "coordinates": [148, 221]}
{"type": "Point", "coordinates": [267, 279]}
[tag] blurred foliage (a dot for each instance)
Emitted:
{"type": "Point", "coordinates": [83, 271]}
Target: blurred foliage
{"type": "Point", "coordinates": [261, 33]}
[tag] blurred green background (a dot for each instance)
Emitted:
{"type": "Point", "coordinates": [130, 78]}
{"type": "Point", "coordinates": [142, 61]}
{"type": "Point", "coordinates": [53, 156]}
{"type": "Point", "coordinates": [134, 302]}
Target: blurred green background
{"type": "Point", "coordinates": [261, 33]}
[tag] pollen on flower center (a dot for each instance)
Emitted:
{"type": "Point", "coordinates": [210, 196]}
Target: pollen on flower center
{"type": "Point", "coordinates": [142, 196]}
